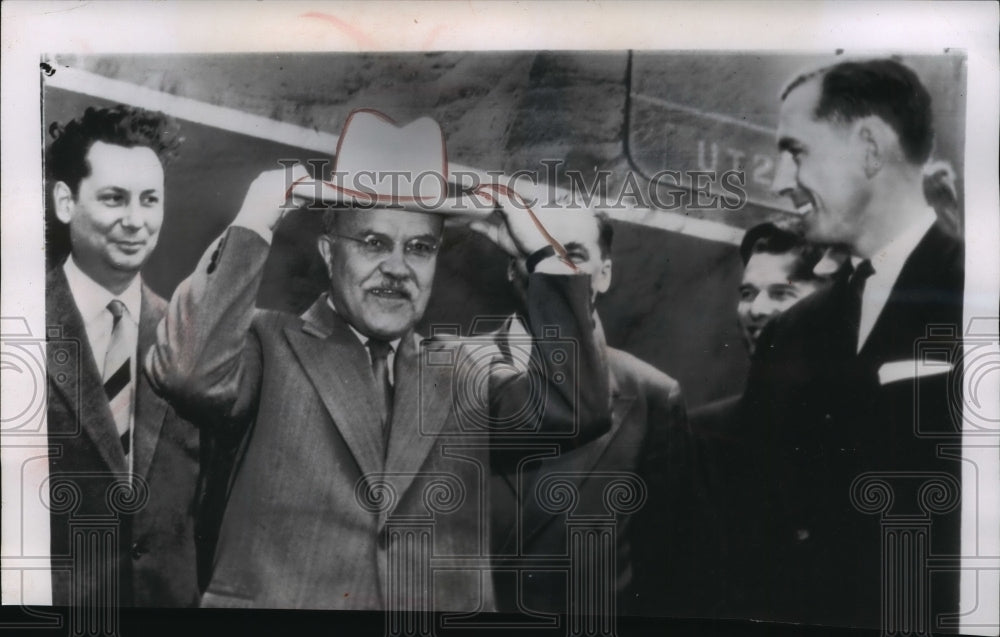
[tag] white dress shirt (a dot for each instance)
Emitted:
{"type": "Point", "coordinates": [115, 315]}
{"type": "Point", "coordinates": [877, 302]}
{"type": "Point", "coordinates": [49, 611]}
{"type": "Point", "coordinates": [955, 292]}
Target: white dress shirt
{"type": "Point", "coordinates": [888, 263]}
{"type": "Point", "coordinates": [92, 301]}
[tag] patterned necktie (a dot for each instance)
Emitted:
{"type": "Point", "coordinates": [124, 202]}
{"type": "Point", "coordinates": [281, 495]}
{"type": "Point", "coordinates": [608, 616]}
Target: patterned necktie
{"type": "Point", "coordinates": [117, 375]}
{"type": "Point", "coordinates": [380, 351]}
{"type": "Point", "coordinates": [856, 290]}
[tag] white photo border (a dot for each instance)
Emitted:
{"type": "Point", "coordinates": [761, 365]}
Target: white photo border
{"type": "Point", "coordinates": [33, 29]}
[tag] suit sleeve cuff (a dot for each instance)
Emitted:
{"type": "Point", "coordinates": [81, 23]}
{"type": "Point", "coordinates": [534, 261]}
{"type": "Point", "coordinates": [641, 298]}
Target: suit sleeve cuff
{"type": "Point", "coordinates": [260, 229]}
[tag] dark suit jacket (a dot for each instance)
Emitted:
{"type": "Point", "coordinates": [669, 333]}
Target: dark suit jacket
{"type": "Point", "coordinates": [718, 419]}
{"type": "Point", "coordinates": [820, 418]}
{"type": "Point", "coordinates": [154, 556]}
{"type": "Point", "coordinates": [320, 507]}
{"type": "Point", "coordinates": [648, 419]}
{"type": "Point", "coordinates": [722, 509]}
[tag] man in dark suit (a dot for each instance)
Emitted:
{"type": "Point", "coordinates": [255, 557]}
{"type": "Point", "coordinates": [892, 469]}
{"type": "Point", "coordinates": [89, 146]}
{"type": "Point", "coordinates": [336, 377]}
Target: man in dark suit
{"type": "Point", "coordinates": [123, 466]}
{"type": "Point", "coordinates": [364, 452]}
{"type": "Point", "coordinates": [778, 271]}
{"type": "Point", "coordinates": [644, 451]}
{"type": "Point", "coordinates": [845, 406]}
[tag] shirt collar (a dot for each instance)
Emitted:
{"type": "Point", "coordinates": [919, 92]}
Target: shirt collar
{"type": "Point", "coordinates": [888, 261]}
{"type": "Point", "coordinates": [92, 298]}
{"type": "Point", "coordinates": [361, 337]}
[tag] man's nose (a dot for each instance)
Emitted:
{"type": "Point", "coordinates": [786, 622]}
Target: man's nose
{"type": "Point", "coordinates": [785, 182]}
{"type": "Point", "coordinates": [394, 264]}
{"type": "Point", "coordinates": [132, 217]}
{"type": "Point", "coordinates": [762, 306]}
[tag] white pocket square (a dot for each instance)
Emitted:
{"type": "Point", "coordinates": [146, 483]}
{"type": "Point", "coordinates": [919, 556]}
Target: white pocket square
{"type": "Point", "coordinates": [911, 369]}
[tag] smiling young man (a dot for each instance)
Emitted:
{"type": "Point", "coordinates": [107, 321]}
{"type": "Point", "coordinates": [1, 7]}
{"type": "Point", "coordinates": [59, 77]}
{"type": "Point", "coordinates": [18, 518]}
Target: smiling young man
{"type": "Point", "coordinates": [777, 273]}
{"type": "Point", "coordinates": [839, 392]}
{"type": "Point", "coordinates": [111, 434]}
{"type": "Point", "coordinates": [351, 423]}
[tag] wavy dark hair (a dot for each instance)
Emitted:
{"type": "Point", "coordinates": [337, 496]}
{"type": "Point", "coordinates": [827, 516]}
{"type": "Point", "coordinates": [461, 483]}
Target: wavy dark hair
{"type": "Point", "coordinates": [774, 238]}
{"type": "Point", "coordinates": [66, 156]}
{"type": "Point", "coordinates": [121, 125]}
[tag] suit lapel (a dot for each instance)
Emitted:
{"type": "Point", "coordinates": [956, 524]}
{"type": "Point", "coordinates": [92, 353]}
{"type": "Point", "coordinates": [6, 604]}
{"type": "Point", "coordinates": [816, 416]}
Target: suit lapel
{"type": "Point", "coordinates": [150, 409]}
{"type": "Point", "coordinates": [80, 384]}
{"type": "Point", "coordinates": [335, 361]}
{"type": "Point", "coordinates": [421, 404]}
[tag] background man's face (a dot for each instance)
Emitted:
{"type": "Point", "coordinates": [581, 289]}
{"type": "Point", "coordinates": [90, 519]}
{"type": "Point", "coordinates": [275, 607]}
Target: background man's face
{"type": "Point", "coordinates": [381, 277]}
{"type": "Point", "coordinates": [767, 291]}
{"type": "Point", "coordinates": [115, 219]}
{"type": "Point", "coordinates": [821, 168]}
{"type": "Point", "coordinates": [578, 232]}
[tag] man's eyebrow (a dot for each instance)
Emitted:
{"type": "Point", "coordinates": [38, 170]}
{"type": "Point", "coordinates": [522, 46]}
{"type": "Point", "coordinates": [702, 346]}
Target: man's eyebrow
{"type": "Point", "coordinates": [424, 237]}
{"type": "Point", "coordinates": [575, 245]}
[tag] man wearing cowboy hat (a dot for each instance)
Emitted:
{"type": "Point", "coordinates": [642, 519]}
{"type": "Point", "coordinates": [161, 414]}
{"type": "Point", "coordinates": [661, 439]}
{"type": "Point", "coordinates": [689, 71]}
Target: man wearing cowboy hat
{"type": "Point", "coordinates": [356, 465]}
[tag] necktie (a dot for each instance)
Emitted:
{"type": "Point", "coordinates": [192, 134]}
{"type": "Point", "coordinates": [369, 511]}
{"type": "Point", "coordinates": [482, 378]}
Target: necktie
{"type": "Point", "coordinates": [856, 289]}
{"type": "Point", "coordinates": [380, 351]}
{"type": "Point", "coordinates": [117, 374]}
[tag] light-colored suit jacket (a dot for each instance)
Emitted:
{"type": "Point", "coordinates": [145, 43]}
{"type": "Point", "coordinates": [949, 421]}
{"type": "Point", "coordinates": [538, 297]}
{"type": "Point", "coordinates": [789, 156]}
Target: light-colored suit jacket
{"type": "Point", "coordinates": [321, 511]}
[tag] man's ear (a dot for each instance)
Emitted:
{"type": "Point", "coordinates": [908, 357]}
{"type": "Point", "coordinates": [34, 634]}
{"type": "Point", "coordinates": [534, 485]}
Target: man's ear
{"type": "Point", "coordinates": [63, 201]}
{"type": "Point", "coordinates": [876, 139]}
{"type": "Point", "coordinates": [325, 245]}
{"type": "Point", "coordinates": [602, 280]}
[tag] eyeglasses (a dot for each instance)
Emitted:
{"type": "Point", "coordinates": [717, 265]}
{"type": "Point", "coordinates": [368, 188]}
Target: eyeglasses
{"type": "Point", "coordinates": [381, 246]}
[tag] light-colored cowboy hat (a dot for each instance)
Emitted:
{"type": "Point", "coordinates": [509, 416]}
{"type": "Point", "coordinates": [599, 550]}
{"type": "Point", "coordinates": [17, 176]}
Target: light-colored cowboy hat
{"type": "Point", "coordinates": [382, 164]}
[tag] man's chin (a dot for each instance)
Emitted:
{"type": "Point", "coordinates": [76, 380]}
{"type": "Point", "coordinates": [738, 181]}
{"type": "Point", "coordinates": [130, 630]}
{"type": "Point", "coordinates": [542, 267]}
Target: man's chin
{"type": "Point", "coordinates": [818, 230]}
{"type": "Point", "coordinates": [814, 232]}
{"type": "Point", "coordinates": [129, 266]}
{"type": "Point", "coordinates": [389, 330]}
{"type": "Point", "coordinates": [129, 261]}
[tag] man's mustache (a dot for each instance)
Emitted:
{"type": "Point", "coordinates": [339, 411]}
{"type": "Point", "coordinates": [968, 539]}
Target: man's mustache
{"type": "Point", "coordinates": [395, 287]}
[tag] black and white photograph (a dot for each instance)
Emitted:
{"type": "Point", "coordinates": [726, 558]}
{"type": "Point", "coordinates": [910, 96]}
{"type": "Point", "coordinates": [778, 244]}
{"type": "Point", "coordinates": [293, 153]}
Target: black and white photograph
{"type": "Point", "coordinates": [448, 318]}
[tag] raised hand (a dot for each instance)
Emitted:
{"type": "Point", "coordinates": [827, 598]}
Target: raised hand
{"type": "Point", "coordinates": [522, 232]}
{"type": "Point", "coordinates": [271, 195]}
